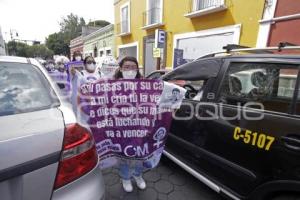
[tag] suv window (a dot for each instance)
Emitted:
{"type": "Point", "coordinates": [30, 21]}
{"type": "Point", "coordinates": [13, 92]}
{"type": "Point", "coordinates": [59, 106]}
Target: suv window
{"type": "Point", "coordinates": [297, 111]}
{"type": "Point", "coordinates": [271, 85]}
{"type": "Point", "coordinates": [23, 88]}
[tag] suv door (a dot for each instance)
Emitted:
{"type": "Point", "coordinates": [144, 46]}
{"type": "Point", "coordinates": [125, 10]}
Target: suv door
{"type": "Point", "coordinates": [189, 135]}
{"type": "Point", "coordinates": [253, 139]}
{"type": "Point", "coordinates": [32, 130]}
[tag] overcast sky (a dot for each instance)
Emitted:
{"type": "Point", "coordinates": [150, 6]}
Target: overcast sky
{"type": "Point", "coordinates": [36, 19]}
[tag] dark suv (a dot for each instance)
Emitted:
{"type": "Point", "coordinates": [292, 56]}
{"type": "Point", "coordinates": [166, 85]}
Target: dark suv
{"type": "Point", "coordinates": [238, 130]}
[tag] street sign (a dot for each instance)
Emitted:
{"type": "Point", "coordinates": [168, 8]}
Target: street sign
{"type": "Point", "coordinates": [156, 52]}
{"type": "Point", "coordinates": [160, 38]}
{"type": "Point", "coordinates": [178, 58]}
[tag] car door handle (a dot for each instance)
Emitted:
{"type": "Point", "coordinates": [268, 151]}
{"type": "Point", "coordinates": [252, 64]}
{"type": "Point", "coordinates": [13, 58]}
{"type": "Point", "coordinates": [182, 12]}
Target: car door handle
{"type": "Point", "coordinates": [291, 142]}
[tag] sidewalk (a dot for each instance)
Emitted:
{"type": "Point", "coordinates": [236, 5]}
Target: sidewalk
{"type": "Point", "coordinates": [166, 182]}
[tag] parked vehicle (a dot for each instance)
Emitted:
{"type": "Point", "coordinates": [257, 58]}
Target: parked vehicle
{"type": "Point", "coordinates": [45, 152]}
{"type": "Point", "coordinates": [238, 129]}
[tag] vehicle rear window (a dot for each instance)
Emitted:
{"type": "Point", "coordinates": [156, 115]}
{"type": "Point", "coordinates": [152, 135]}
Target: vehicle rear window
{"type": "Point", "coordinates": [23, 88]}
{"type": "Point", "coordinates": [270, 85]}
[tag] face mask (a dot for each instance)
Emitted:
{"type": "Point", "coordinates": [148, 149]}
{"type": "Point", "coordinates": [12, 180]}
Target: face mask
{"type": "Point", "coordinates": [90, 67]}
{"type": "Point", "coordinates": [78, 58]}
{"type": "Point", "coordinates": [131, 74]}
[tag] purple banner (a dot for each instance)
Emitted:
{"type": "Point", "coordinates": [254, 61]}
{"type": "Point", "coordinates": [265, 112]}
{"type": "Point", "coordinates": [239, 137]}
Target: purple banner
{"type": "Point", "coordinates": [76, 64]}
{"type": "Point", "coordinates": [126, 120]}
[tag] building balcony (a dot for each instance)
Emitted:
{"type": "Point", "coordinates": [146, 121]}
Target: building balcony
{"type": "Point", "coordinates": [152, 18]}
{"type": "Point", "coordinates": [123, 28]}
{"type": "Point", "coordinates": [204, 7]}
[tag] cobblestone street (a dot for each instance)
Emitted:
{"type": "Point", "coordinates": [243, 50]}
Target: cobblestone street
{"type": "Point", "coordinates": [166, 182]}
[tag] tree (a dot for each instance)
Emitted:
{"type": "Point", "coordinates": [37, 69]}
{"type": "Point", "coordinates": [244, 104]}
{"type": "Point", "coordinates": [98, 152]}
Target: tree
{"type": "Point", "coordinates": [57, 43]}
{"type": "Point", "coordinates": [17, 48]}
{"type": "Point", "coordinates": [24, 50]}
{"type": "Point", "coordinates": [40, 51]}
{"type": "Point", "coordinates": [100, 23]}
{"type": "Point", "coordinates": [70, 28]}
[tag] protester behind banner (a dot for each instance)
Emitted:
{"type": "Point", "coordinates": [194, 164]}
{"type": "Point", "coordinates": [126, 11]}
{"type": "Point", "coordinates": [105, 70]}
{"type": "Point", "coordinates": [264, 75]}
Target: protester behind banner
{"type": "Point", "coordinates": [129, 126]}
{"type": "Point", "coordinates": [129, 69]}
{"type": "Point", "coordinates": [60, 75]}
{"type": "Point", "coordinates": [77, 56]}
{"type": "Point", "coordinates": [50, 65]}
{"type": "Point", "coordinates": [89, 74]}
{"type": "Point", "coordinates": [108, 67]}
{"type": "Point", "coordinates": [60, 62]}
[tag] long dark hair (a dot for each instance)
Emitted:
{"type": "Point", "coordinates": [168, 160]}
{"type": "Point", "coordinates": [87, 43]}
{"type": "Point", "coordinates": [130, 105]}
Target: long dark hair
{"type": "Point", "coordinates": [76, 53]}
{"type": "Point", "coordinates": [86, 58]}
{"type": "Point", "coordinates": [119, 74]}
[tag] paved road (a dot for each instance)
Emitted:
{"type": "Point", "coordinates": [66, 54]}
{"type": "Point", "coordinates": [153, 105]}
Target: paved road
{"type": "Point", "coordinates": [166, 182]}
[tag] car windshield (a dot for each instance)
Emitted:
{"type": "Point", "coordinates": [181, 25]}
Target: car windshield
{"type": "Point", "coordinates": [23, 88]}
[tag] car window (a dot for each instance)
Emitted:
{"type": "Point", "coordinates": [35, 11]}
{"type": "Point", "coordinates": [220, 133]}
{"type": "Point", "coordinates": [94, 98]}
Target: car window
{"type": "Point", "coordinates": [287, 82]}
{"type": "Point", "coordinates": [268, 85]}
{"type": "Point", "coordinates": [23, 88]}
{"type": "Point", "coordinates": [297, 112]}
{"type": "Point", "coordinates": [196, 84]}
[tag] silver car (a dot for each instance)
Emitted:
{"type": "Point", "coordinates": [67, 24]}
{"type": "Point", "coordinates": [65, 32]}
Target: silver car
{"type": "Point", "coordinates": [45, 153]}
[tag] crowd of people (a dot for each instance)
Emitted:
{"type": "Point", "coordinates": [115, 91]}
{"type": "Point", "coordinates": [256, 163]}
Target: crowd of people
{"type": "Point", "coordinates": [70, 75]}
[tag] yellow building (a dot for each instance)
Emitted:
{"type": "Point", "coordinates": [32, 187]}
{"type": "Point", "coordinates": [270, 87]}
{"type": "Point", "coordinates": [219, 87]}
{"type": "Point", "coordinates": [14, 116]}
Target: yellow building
{"type": "Point", "coordinates": [193, 28]}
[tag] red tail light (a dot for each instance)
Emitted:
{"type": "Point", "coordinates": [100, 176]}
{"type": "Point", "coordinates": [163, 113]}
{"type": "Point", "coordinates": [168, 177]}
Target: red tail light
{"type": "Point", "coordinates": [79, 155]}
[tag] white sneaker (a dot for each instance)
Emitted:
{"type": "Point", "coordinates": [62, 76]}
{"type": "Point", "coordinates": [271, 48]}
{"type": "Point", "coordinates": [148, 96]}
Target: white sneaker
{"type": "Point", "coordinates": [140, 182]}
{"type": "Point", "coordinates": [127, 186]}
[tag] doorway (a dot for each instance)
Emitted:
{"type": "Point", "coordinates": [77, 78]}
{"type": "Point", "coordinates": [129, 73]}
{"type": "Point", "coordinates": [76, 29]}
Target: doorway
{"type": "Point", "coordinates": [149, 61]}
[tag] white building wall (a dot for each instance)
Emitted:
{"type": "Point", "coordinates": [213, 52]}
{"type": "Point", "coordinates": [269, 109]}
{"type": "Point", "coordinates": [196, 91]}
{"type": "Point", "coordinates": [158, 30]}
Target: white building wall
{"type": "Point", "coordinates": [265, 23]}
{"type": "Point", "coordinates": [103, 39]}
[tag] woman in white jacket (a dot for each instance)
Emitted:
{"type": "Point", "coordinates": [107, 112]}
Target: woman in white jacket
{"type": "Point", "coordinates": [88, 75]}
